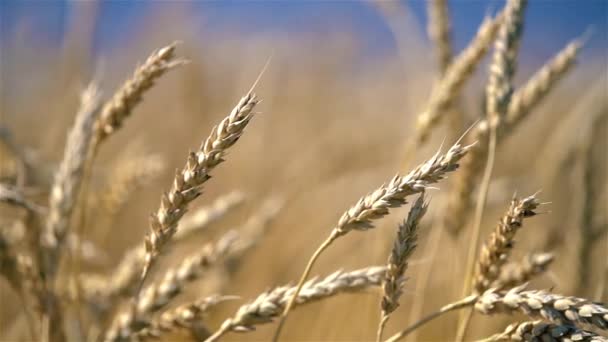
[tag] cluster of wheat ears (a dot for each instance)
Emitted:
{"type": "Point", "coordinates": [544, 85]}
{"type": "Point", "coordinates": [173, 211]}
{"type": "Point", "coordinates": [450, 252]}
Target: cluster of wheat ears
{"type": "Point", "coordinates": [125, 306]}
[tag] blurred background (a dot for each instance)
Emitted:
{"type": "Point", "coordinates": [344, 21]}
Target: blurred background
{"type": "Point", "coordinates": [340, 98]}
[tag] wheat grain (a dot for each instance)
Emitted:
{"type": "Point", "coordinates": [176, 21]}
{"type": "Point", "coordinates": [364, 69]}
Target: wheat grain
{"type": "Point", "coordinates": [553, 307]}
{"type": "Point", "coordinates": [533, 331]}
{"type": "Point", "coordinates": [269, 305]}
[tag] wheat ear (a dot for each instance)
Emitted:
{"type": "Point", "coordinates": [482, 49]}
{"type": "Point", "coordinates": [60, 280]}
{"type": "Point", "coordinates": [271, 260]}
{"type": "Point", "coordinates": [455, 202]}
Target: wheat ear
{"type": "Point", "coordinates": [183, 316]}
{"type": "Point", "coordinates": [517, 273]}
{"type": "Point", "coordinates": [159, 294]}
{"type": "Point", "coordinates": [533, 331]}
{"type": "Point", "coordinates": [405, 243]}
{"type": "Point", "coordinates": [450, 85]}
{"type": "Point", "coordinates": [68, 179]}
{"type": "Point", "coordinates": [495, 253]}
{"type": "Point", "coordinates": [376, 205]}
{"type": "Point", "coordinates": [540, 84]}
{"type": "Point", "coordinates": [541, 304]}
{"type": "Point", "coordinates": [188, 182]}
{"type": "Point", "coordinates": [121, 105]}
{"type": "Point", "coordinates": [269, 305]}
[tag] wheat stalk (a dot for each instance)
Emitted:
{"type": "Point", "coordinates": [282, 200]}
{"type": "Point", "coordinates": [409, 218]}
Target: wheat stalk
{"type": "Point", "coordinates": [498, 96]}
{"type": "Point", "coordinates": [376, 205]}
{"type": "Point", "coordinates": [403, 247]}
{"type": "Point", "coordinates": [494, 253]}
{"type": "Point", "coordinates": [518, 273]}
{"type": "Point", "coordinates": [523, 101]}
{"type": "Point", "coordinates": [533, 331]}
{"type": "Point", "coordinates": [269, 305]}
{"type": "Point", "coordinates": [183, 316]}
{"type": "Point", "coordinates": [439, 32]}
{"type": "Point", "coordinates": [553, 307]}
{"type": "Point", "coordinates": [120, 106]}
{"type": "Point", "coordinates": [159, 294]}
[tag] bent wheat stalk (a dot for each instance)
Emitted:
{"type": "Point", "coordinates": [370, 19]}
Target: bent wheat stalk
{"type": "Point", "coordinates": [376, 205]}
{"type": "Point", "coordinates": [269, 305]}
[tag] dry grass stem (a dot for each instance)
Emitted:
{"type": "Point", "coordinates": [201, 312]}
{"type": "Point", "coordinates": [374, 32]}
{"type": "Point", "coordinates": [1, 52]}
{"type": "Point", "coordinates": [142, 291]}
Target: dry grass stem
{"type": "Point", "coordinates": [532, 331]}
{"type": "Point", "coordinates": [403, 247]}
{"type": "Point", "coordinates": [541, 304]}
{"type": "Point", "coordinates": [464, 303]}
{"type": "Point", "coordinates": [269, 305]}
{"type": "Point", "coordinates": [518, 273]}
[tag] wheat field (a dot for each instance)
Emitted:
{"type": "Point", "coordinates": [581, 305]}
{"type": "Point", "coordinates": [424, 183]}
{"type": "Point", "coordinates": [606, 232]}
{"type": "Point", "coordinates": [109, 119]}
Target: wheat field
{"type": "Point", "coordinates": [296, 187]}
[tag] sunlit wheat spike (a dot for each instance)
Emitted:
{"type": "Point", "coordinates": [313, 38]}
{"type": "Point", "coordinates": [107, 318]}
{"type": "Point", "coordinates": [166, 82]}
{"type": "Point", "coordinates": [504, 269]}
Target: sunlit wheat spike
{"type": "Point", "coordinates": [188, 181]}
{"type": "Point", "coordinates": [121, 105]}
{"type": "Point", "coordinates": [495, 252]}
{"type": "Point", "coordinates": [541, 304]}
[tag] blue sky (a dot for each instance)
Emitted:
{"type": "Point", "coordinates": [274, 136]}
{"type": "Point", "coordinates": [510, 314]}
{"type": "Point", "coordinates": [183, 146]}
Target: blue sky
{"type": "Point", "coordinates": [549, 23]}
